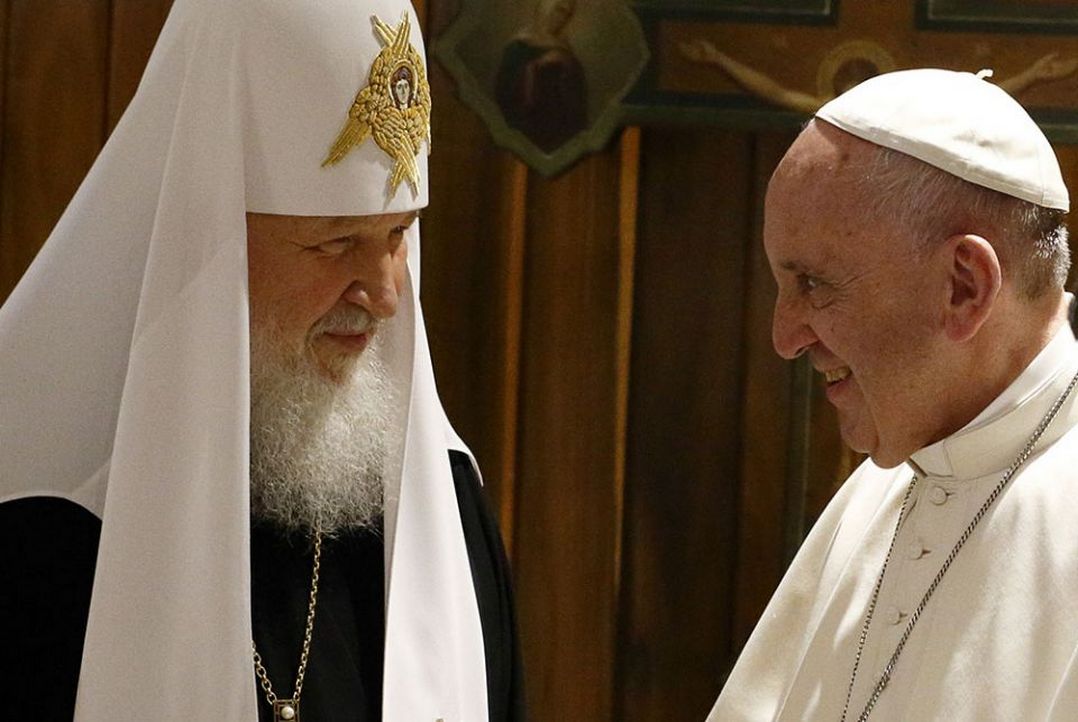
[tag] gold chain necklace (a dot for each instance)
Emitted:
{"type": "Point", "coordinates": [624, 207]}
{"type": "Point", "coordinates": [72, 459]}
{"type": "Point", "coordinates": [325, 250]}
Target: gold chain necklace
{"type": "Point", "coordinates": [889, 668]}
{"type": "Point", "coordinates": [287, 710]}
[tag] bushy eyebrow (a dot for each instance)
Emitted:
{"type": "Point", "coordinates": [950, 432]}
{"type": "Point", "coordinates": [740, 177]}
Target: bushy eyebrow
{"type": "Point", "coordinates": [336, 224]}
{"type": "Point", "coordinates": [797, 267]}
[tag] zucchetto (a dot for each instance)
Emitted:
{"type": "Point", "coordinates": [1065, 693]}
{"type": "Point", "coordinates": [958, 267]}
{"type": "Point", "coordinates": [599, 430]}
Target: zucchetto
{"type": "Point", "coordinates": [958, 122]}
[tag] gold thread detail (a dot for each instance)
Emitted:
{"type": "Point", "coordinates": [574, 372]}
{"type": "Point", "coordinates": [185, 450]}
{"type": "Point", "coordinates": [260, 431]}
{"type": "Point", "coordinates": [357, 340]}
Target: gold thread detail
{"type": "Point", "coordinates": [393, 108]}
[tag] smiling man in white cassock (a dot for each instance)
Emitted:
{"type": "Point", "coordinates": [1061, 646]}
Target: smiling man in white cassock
{"type": "Point", "coordinates": [229, 488]}
{"type": "Point", "coordinates": [915, 230]}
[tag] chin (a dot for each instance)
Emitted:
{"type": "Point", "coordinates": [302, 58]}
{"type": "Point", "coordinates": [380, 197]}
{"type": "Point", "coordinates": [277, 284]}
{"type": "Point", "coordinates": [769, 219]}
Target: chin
{"type": "Point", "coordinates": [885, 456]}
{"type": "Point", "coordinates": [882, 457]}
{"type": "Point", "coordinates": [338, 368]}
{"type": "Point", "coordinates": [886, 460]}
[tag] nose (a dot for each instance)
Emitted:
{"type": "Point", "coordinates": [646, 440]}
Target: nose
{"type": "Point", "coordinates": [375, 286]}
{"type": "Point", "coordinates": [791, 335]}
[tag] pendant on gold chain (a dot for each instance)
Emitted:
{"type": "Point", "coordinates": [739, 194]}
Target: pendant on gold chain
{"type": "Point", "coordinates": [286, 710]}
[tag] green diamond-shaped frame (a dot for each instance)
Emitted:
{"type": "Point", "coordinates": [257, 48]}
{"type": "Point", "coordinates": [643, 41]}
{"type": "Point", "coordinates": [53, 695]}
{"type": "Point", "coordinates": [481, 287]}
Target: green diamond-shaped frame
{"type": "Point", "coordinates": [606, 36]}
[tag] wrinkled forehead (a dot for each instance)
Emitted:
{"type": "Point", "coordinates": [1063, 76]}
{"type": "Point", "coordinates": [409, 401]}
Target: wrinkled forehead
{"type": "Point", "coordinates": [823, 152]}
{"type": "Point", "coordinates": [327, 226]}
{"type": "Point", "coordinates": [810, 174]}
{"type": "Point", "coordinates": [818, 199]}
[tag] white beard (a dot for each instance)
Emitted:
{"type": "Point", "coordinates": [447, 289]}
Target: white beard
{"type": "Point", "coordinates": [319, 448]}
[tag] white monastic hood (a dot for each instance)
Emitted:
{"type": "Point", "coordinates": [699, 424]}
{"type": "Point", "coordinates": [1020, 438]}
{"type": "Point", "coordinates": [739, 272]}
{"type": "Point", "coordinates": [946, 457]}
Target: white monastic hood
{"type": "Point", "coordinates": [124, 367]}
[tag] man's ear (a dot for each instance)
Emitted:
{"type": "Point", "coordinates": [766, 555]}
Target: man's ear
{"type": "Point", "coordinates": [975, 279]}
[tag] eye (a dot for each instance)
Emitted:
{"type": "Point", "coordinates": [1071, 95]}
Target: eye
{"type": "Point", "coordinates": [815, 289]}
{"type": "Point", "coordinates": [335, 247]}
{"type": "Point", "coordinates": [808, 283]}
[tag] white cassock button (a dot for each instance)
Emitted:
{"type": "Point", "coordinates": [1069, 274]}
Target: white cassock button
{"type": "Point", "coordinates": [893, 615]}
{"type": "Point", "coordinates": [917, 549]}
{"type": "Point", "coordinates": [937, 495]}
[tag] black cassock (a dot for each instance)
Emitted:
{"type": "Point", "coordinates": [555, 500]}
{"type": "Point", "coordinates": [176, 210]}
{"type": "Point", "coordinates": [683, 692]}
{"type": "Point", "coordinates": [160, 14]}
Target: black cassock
{"type": "Point", "coordinates": [48, 548]}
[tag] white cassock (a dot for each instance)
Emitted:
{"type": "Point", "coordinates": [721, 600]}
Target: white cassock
{"type": "Point", "coordinates": [999, 638]}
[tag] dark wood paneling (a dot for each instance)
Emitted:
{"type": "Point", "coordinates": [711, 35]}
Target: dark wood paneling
{"type": "Point", "coordinates": [628, 212]}
{"type": "Point", "coordinates": [1068, 162]}
{"type": "Point", "coordinates": [473, 248]}
{"type": "Point", "coordinates": [765, 420]}
{"type": "Point", "coordinates": [684, 429]}
{"type": "Point", "coordinates": [830, 460]}
{"type": "Point", "coordinates": [54, 116]}
{"type": "Point", "coordinates": [4, 30]}
{"type": "Point", "coordinates": [421, 11]}
{"type": "Point", "coordinates": [567, 528]}
{"type": "Point", "coordinates": [134, 30]}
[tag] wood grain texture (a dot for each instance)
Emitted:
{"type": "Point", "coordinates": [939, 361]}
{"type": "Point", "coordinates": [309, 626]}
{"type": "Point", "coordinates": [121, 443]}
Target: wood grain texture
{"type": "Point", "coordinates": [567, 525]}
{"type": "Point", "coordinates": [628, 212]}
{"type": "Point", "coordinates": [56, 74]}
{"type": "Point", "coordinates": [1068, 163]}
{"type": "Point", "coordinates": [509, 286]}
{"type": "Point", "coordinates": [473, 263]}
{"type": "Point", "coordinates": [4, 30]}
{"type": "Point", "coordinates": [135, 25]}
{"type": "Point", "coordinates": [765, 420]}
{"type": "Point", "coordinates": [830, 460]}
{"type": "Point", "coordinates": [684, 430]}
{"type": "Point", "coordinates": [422, 10]}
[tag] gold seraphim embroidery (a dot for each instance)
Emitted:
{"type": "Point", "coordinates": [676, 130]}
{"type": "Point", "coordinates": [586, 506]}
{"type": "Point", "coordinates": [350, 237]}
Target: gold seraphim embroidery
{"type": "Point", "coordinates": [393, 108]}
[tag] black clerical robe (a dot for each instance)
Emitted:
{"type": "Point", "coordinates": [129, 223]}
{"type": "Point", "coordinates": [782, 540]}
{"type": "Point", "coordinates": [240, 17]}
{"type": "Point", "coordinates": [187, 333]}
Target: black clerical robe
{"type": "Point", "coordinates": [48, 548]}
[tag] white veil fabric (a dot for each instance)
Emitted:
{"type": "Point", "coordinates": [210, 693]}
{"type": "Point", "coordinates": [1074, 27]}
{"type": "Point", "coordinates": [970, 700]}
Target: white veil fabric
{"type": "Point", "coordinates": [124, 367]}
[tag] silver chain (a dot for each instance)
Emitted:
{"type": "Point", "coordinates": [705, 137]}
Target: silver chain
{"type": "Point", "coordinates": [260, 670]}
{"type": "Point", "coordinates": [889, 668]}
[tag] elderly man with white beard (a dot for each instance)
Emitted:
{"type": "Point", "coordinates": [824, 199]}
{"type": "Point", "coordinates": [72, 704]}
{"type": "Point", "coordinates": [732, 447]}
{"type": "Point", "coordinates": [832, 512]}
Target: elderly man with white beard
{"type": "Point", "coordinates": [322, 401]}
{"type": "Point", "coordinates": [916, 232]}
{"type": "Point", "coordinates": [229, 490]}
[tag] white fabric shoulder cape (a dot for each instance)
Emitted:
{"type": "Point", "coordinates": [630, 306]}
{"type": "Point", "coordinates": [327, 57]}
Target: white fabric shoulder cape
{"type": "Point", "coordinates": [124, 367]}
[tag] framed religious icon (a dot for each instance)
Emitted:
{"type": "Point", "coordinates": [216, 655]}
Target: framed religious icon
{"type": "Point", "coordinates": [1031, 16]}
{"type": "Point", "coordinates": [547, 76]}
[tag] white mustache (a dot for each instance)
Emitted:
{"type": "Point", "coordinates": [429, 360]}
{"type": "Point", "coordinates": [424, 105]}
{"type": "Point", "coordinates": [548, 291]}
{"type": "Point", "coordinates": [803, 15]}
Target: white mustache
{"type": "Point", "coordinates": [346, 321]}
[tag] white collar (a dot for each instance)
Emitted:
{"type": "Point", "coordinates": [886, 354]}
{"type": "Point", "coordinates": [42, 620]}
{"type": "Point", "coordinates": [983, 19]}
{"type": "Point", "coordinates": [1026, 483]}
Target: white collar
{"type": "Point", "coordinates": [992, 439]}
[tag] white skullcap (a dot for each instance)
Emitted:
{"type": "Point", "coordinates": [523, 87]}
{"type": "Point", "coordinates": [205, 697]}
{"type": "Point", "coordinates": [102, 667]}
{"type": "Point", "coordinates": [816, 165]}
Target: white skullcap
{"type": "Point", "coordinates": [958, 123]}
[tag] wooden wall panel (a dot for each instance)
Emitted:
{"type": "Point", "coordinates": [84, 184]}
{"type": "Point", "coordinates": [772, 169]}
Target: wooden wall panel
{"type": "Point", "coordinates": [422, 11]}
{"type": "Point", "coordinates": [628, 211]}
{"type": "Point", "coordinates": [134, 29]}
{"type": "Point", "coordinates": [568, 518]}
{"type": "Point", "coordinates": [56, 74]}
{"type": "Point", "coordinates": [473, 261]}
{"type": "Point", "coordinates": [765, 419]}
{"type": "Point", "coordinates": [684, 433]}
{"type": "Point", "coordinates": [830, 460]}
{"type": "Point", "coordinates": [4, 4]}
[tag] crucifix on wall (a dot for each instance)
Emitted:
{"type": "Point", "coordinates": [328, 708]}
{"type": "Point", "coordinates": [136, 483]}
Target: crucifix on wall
{"type": "Point", "coordinates": [765, 64]}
